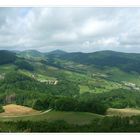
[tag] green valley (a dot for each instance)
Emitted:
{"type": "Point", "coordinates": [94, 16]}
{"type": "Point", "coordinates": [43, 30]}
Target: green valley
{"type": "Point", "coordinates": [77, 88]}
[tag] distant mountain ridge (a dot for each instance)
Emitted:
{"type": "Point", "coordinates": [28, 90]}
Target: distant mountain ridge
{"type": "Point", "coordinates": [101, 59]}
{"type": "Point", "coordinates": [127, 62]}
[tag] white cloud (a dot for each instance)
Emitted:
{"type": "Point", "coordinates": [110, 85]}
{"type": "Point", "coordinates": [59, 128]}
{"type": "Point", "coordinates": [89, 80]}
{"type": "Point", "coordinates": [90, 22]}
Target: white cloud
{"type": "Point", "coordinates": [108, 42]}
{"type": "Point", "coordinates": [64, 36]}
{"type": "Point", "coordinates": [97, 27]}
{"type": "Point", "coordinates": [70, 29]}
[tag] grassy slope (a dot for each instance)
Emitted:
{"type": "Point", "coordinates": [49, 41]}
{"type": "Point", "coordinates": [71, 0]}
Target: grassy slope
{"type": "Point", "coordinates": [70, 117]}
{"type": "Point", "coordinates": [17, 112]}
{"type": "Point", "coordinates": [73, 117]}
{"type": "Point", "coordinates": [118, 75]}
{"type": "Point", "coordinates": [7, 68]}
{"type": "Point", "coordinates": [44, 72]}
{"type": "Point", "coordinates": [50, 73]}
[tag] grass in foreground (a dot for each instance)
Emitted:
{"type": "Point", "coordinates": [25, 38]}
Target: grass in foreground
{"type": "Point", "coordinates": [17, 113]}
{"type": "Point", "coordinates": [70, 117]}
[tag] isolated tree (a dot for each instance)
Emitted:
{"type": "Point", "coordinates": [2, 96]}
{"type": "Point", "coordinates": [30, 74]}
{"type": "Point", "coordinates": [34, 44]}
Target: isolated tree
{"type": "Point", "coordinates": [38, 105]}
{"type": "Point", "coordinates": [1, 109]}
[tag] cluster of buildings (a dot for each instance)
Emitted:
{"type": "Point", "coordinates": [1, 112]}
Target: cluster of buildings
{"type": "Point", "coordinates": [49, 82]}
{"type": "Point", "coordinates": [131, 85]}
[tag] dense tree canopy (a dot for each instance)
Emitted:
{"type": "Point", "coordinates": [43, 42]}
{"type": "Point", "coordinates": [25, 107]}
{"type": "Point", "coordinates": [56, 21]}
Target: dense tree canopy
{"type": "Point", "coordinates": [7, 57]}
{"type": "Point", "coordinates": [22, 64]}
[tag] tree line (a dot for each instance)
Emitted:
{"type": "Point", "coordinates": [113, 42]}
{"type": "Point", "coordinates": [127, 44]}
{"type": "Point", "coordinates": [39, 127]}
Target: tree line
{"type": "Point", "coordinates": [102, 124]}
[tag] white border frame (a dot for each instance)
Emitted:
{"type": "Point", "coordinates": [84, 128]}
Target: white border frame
{"type": "Point", "coordinates": [70, 3]}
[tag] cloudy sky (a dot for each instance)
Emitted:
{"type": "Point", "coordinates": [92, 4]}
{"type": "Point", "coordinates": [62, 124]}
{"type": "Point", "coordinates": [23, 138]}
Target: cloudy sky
{"type": "Point", "coordinates": [70, 29]}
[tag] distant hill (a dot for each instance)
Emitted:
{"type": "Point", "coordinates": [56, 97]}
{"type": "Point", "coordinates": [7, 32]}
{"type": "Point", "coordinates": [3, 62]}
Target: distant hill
{"type": "Point", "coordinates": [126, 62]}
{"type": "Point", "coordinates": [55, 53]}
{"type": "Point", "coordinates": [7, 57]}
{"type": "Point", "coordinates": [102, 59]}
{"type": "Point", "coordinates": [30, 54]}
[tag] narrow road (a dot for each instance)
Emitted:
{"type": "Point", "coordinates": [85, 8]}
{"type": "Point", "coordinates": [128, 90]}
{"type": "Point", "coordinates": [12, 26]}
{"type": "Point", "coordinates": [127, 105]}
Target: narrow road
{"type": "Point", "coordinates": [45, 112]}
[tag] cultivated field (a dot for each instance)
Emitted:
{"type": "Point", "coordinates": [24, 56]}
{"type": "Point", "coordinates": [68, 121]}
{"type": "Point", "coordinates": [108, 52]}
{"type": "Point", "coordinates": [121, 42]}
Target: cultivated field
{"type": "Point", "coordinates": [17, 110]}
{"type": "Point", "coordinates": [123, 112]}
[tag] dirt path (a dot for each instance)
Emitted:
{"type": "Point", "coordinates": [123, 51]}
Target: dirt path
{"type": "Point", "coordinates": [45, 111]}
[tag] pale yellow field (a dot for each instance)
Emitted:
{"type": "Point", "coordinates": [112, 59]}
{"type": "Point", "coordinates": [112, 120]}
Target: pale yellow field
{"type": "Point", "coordinates": [17, 110]}
{"type": "Point", "coordinates": [123, 112]}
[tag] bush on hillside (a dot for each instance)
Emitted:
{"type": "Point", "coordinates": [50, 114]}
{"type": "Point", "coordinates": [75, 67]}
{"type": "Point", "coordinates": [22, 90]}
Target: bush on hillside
{"type": "Point", "coordinates": [38, 105]}
{"type": "Point", "coordinates": [1, 109]}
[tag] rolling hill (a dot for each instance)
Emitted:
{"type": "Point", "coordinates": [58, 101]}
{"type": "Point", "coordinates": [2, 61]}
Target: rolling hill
{"type": "Point", "coordinates": [79, 88]}
{"type": "Point", "coordinates": [127, 62]}
{"type": "Point", "coordinates": [30, 54]}
{"type": "Point", "coordinates": [25, 78]}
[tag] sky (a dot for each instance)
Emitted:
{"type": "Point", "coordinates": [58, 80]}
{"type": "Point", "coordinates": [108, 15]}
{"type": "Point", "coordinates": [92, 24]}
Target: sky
{"type": "Point", "coordinates": [70, 29]}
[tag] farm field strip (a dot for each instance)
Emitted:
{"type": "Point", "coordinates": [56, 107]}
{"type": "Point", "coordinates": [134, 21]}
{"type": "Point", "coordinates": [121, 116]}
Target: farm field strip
{"type": "Point", "coordinates": [123, 112]}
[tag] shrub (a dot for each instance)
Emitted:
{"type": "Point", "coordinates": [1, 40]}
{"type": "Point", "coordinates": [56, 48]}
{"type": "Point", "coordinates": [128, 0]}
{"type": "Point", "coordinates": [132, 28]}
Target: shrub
{"type": "Point", "coordinates": [1, 109]}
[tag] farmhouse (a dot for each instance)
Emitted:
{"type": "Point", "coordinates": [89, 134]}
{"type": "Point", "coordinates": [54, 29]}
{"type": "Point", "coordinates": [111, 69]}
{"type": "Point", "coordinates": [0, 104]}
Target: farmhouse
{"type": "Point", "coordinates": [131, 85]}
{"type": "Point", "coordinates": [49, 82]}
